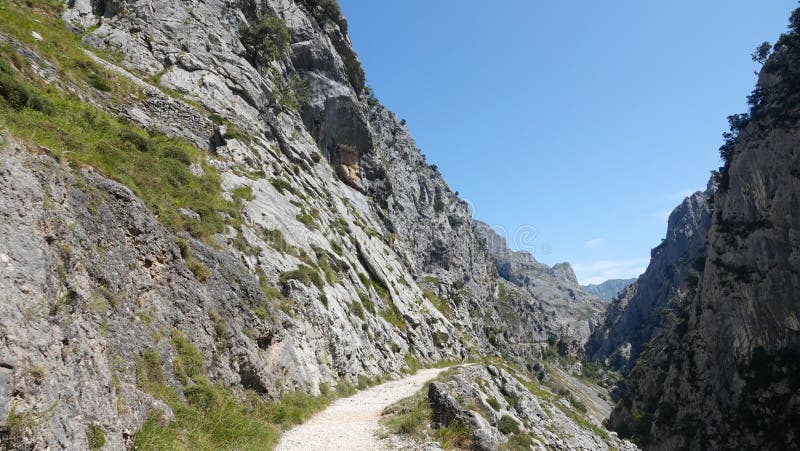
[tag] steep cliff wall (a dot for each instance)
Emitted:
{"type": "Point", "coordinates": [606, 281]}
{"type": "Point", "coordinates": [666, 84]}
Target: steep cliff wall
{"type": "Point", "coordinates": [204, 196]}
{"type": "Point", "coordinates": [636, 314]}
{"type": "Point", "coordinates": [722, 373]}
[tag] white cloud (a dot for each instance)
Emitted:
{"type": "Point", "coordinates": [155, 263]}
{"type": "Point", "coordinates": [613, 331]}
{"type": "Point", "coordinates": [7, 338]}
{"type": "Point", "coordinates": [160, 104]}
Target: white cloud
{"type": "Point", "coordinates": [595, 243]}
{"type": "Point", "coordinates": [600, 271]}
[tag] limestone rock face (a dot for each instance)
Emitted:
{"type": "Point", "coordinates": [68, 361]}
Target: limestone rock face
{"type": "Point", "coordinates": [502, 413]}
{"type": "Point", "coordinates": [721, 371]}
{"type": "Point", "coordinates": [609, 289]}
{"type": "Point", "coordinates": [635, 315]}
{"type": "Point", "coordinates": [93, 283]}
{"type": "Point", "coordinates": [565, 311]}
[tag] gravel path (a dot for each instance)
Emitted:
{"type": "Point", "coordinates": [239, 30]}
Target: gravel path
{"type": "Point", "coordinates": [352, 423]}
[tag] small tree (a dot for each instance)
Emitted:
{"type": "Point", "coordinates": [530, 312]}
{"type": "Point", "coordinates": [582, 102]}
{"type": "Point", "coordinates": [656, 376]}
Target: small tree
{"type": "Point", "coordinates": [762, 53]}
{"type": "Point", "coordinates": [267, 40]}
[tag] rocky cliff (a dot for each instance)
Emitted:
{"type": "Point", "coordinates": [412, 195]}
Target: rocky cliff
{"type": "Point", "coordinates": [566, 313]}
{"type": "Point", "coordinates": [636, 314]}
{"type": "Point", "coordinates": [721, 372]}
{"type": "Point", "coordinates": [609, 289]}
{"type": "Point", "coordinates": [204, 207]}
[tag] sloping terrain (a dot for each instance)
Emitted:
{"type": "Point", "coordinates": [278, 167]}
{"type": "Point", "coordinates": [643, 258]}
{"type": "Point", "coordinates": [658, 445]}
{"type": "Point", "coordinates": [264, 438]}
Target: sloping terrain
{"type": "Point", "coordinates": [211, 229]}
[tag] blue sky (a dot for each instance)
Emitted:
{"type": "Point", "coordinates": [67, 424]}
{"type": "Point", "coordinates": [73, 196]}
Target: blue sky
{"type": "Point", "coordinates": [588, 121]}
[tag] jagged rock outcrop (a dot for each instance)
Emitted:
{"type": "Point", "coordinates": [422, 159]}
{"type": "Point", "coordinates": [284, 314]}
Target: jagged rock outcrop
{"type": "Point", "coordinates": [635, 315]}
{"type": "Point", "coordinates": [564, 309]}
{"type": "Point", "coordinates": [723, 371]}
{"type": "Point", "coordinates": [609, 289]}
{"type": "Point", "coordinates": [501, 412]}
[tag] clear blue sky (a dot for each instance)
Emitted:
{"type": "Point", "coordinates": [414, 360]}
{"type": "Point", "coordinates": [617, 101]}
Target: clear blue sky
{"type": "Point", "coordinates": [587, 120]}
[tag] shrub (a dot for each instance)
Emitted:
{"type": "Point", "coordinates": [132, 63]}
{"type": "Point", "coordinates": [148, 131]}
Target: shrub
{"type": "Point", "coordinates": [200, 271]}
{"type": "Point", "coordinates": [282, 185]}
{"type": "Point", "coordinates": [508, 425]}
{"type": "Point", "coordinates": [98, 82]}
{"type": "Point", "coordinates": [303, 274]}
{"type": "Point", "coordinates": [307, 220]}
{"type": "Point", "coordinates": [438, 203]}
{"type": "Point", "coordinates": [761, 53]}
{"type": "Point", "coordinates": [243, 192]}
{"type": "Point", "coordinates": [266, 40]}
{"type": "Point", "coordinates": [493, 402]}
{"type": "Point", "coordinates": [327, 11]}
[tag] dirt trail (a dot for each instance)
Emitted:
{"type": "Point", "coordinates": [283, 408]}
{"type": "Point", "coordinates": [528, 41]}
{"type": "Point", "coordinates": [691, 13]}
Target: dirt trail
{"type": "Point", "coordinates": [352, 423]}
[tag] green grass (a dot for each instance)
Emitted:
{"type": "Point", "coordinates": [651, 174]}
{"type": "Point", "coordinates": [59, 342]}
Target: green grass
{"type": "Point", "coordinates": [188, 363]}
{"type": "Point", "coordinates": [305, 275]}
{"type": "Point", "coordinates": [95, 437]}
{"type": "Point", "coordinates": [508, 425]}
{"type": "Point", "coordinates": [413, 416]}
{"type": "Point", "coordinates": [439, 303]}
{"type": "Point", "coordinates": [393, 316]}
{"type": "Point", "coordinates": [210, 416]}
{"type": "Point", "coordinates": [153, 166]}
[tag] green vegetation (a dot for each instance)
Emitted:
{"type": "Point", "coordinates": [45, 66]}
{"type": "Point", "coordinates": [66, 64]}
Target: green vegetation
{"type": "Point", "coordinates": [188, 363]}
{"type": "Point", "coordinates": [266, 40]}
{"type": "Point", "coordinates": [508, 425]}
{"type": "Point", "coordinates": [283, 186]}
{"type": "Point", "coordinates": [762, 53]}
{"type": "Point", "coordinates": [95, 437]}
{"type": "Point", "coordinates": [154, 167]}
{"type": "Point", "coordinates": [243, 192]}
{"type": "Point", "coordinates": [517, 442]}
{"type": "Point", "coordinates": [17, 422]}
{"type": "Point", "coordinates": [199, 269]}
{"type": "Point", "coordinates": [275, 239]}
{"type": "Point", "coordinates": [366, 302]}
{"type": "Point", "coordinates": [438, 203]}
{"type": "Point", "coordinates": [290, 94]}
{"type": "Point", "coordinates": [413, 416]}
{"type": "Point", "coordinates": [455, 221]}
{"type": "Point", "coordinates": [303, 274]}
{"type": "Point", "coordinates": [393, 316]}
{"type": "Point", "coordinates": [358, 310]}
{"type": "Point", "coordinates": [412, 363]}
{"type": "Point", "coordinates": [213, 417]}
{"type": "Point", "coordinates": [440, 304]}
{"type": "Point", "coordinates": [494, 403]}
{"type": "Point", "coordinates": [309, 219]}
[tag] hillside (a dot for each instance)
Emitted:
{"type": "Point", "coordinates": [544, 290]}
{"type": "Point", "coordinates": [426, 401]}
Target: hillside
{"type": "Point", "coordinates": [609, 289]}
{"type": "Point", "coordinates": [212, 229]}
{"type": "Point", "coordinates": [718, 343]}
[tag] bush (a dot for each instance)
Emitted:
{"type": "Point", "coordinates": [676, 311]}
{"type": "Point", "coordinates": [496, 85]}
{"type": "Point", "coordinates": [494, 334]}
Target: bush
{"type": "Point", "coordinates": [494, 403]}
{"type": "Point", "coordinates": [200, 271]}
{"type": "Point", "coordinates": [265, 41]}
{"type": "Point", "coordinates": [438, 203]}
{"type": "Point", "coordinates": [305, 275]}
{"type": "Point", "coordinates": [508, 425]}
